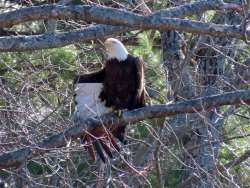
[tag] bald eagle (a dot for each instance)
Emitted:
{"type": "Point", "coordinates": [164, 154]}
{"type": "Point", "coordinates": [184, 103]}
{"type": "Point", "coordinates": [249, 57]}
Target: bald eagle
{"type": "Point", "coordinates": [118, 86]}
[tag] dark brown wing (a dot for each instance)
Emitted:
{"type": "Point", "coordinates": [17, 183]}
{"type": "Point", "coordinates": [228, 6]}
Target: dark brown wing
{"type": "Point", "coordinates": [138, 100]}
{"type": "Point", "coordinates": [95, 77]}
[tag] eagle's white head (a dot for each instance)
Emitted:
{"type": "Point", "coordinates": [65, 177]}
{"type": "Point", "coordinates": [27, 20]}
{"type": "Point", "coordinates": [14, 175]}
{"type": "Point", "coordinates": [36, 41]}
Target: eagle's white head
{"type": "Point", "coordinates": [115, 49]}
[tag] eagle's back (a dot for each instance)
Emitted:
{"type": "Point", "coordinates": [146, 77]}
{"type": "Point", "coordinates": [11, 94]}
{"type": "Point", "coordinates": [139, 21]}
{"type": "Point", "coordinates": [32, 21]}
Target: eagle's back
{"type": "Point", "coordinates": [124, 83]}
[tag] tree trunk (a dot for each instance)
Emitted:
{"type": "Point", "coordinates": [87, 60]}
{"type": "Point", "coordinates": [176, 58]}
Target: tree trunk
{"type": "Point", "coordinates": [201, 143]}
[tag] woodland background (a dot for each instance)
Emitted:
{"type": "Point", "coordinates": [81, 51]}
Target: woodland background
{"type": "Point", "coordinates": [191, 49]}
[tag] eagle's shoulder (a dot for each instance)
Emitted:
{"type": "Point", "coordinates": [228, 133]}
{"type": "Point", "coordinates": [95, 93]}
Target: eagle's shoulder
{"type": "Point", "coordinates": [135, 60]}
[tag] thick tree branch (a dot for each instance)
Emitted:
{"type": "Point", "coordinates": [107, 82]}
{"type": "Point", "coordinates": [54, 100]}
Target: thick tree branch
{"type": "Point", "coordinates": [103, 15]}
{"type": "Point", "coordinates": [16, 158]}
{"type": "Point", "coordinates": [22, 43]}
{"type": "Point", "coordinates": [55, 40]}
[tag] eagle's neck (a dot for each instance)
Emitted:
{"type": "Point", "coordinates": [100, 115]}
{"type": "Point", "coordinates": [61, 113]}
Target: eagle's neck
{"type": "Point", "coordinates": [120, 54]}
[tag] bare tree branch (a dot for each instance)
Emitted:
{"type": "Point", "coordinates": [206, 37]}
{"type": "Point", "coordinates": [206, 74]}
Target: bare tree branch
{"type": "Point", "coordinates": [53, 40]}
{"type": "Point", "coordinates": [22, 43]}
{"type": "Point", "coordinates": [16, 158]}
{"type": "Point", "coordinates": [106, 15]}
{"type": "Point", "coordinates": [101, 14]}
{"type": "Point", "coordinates": [223, 168]}
{"type": "Point", "coordinates": [238, 160]}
